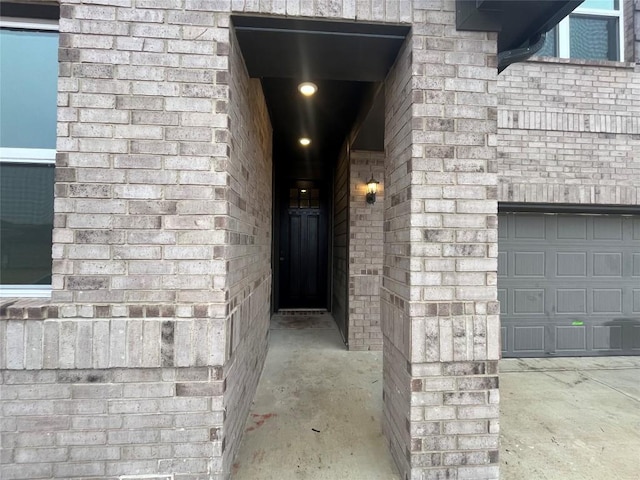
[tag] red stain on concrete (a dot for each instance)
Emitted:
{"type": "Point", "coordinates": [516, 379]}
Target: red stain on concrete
{"type": "Point", "coordinates": [259, 420]}
{"type": "Point", "coordinates": [235, 467]}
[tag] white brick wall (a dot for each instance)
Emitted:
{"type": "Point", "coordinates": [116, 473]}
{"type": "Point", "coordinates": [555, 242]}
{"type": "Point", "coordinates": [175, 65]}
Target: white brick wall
{"type": "Point", "coordinates": [139, 115]}
{"type": "Point", "coordinates": [340, 247]}
{"type": "Point", "coordinates": [107, 423]}
{"type": "Point", "coordinates": [162, 219]}
{"type": "Point", "coordinates": [365, 252]}
{"type": "Point", "coordinates": [394, 292]}
{"type": "Point", "coordinates": [439, 317]}
{"type": "Point", "coordinates": [248, 251]}
{"type": "Point", "coordinates": [569, 132]}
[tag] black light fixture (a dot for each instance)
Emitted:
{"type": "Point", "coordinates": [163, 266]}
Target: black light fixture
{"type": "Point", "coordinates": [372, 188]}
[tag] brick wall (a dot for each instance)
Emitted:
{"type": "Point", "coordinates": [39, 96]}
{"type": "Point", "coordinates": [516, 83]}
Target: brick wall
{"type": "Point", "coordinates": [569, 132]}
{"type": "Point", "coordinates": [439, 309]}
{"type": "Point", "coordinates": [103, 423]}
{"type": "Point", "coordinates": [394, 291]}
{"type": "Point", "coordinates": [161, 186]}
{"type": "Point", "coordinates": [365, 252]}
{"type": "Point", "coordinates": [137, 337]}
{"type": "Point", "coordinates": [340, 247]}
{"type": "Point", "coordinates": [108, 397]}
{"type": "Point", "coordinates": [248, 250]}
{"type": "Point", "coordinates": [141, 164]}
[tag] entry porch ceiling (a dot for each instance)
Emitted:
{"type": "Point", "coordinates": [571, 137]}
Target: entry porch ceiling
{"type": "Point", "coordinates": [321, 50]}
{"type": "Point", "coordinates": [347, 60]}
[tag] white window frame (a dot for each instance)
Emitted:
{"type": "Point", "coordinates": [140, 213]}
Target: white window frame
{"type": "Point", "coordinates": [563, 40]}
{"type": "Point", "coordinates": [27, 156]}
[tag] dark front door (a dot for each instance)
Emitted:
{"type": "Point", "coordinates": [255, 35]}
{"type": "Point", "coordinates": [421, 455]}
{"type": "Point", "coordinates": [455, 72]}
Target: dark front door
{"type": "Point", "coordinates": [303, 248]}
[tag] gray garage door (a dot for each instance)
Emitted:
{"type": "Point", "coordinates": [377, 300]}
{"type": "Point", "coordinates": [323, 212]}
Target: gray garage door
{"type": "Point", "coordinates": [569, 284]}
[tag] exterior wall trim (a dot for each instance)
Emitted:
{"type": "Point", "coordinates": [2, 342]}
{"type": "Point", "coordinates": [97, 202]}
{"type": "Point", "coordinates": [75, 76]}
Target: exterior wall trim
{"type": "Point", "coordinates": [518, 207]}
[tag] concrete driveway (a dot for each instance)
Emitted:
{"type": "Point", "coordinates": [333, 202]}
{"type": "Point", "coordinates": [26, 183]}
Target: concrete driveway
{"type": "Point", "coordinates": [570, 418]}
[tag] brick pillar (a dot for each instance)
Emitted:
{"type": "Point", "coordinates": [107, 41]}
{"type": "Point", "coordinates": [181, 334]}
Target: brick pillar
{"type": "Point", "coordinates": [439, 309]}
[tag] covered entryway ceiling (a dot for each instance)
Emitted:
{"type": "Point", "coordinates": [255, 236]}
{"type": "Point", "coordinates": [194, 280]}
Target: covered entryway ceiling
{"type": "Point", "coordinates": [348, 62]}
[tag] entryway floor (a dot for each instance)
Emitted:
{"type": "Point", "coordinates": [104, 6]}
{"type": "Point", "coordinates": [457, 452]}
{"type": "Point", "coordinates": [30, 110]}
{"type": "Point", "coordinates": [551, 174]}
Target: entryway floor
{"type": "Point", "coordinates": [317, 412]}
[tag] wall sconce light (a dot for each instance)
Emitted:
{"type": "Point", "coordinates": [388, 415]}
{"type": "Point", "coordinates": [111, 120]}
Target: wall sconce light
{"type": "Point", "coordinates": [372, 188]}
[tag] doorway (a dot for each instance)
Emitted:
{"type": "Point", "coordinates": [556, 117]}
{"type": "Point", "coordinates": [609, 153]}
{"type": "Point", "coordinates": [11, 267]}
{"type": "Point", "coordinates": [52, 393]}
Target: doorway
{"type": "Point", "coordinates": [303, 246]}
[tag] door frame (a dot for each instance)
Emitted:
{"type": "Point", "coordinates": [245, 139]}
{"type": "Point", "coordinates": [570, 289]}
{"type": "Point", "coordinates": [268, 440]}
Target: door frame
{"type": "Point", "coordinates": [281, 184]}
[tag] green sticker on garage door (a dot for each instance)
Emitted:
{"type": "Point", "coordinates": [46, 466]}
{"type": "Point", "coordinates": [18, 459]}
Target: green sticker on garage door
{"type": "Point", "coordinates": [577, 323]}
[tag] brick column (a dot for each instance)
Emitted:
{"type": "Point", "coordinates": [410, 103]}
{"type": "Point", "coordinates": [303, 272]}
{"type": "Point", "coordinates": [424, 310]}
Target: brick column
{"type": "Point", "coordinates": [439, 309]}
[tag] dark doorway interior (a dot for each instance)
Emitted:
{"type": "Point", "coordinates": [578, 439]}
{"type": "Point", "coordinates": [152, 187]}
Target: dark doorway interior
{"type": "Point", "coordinates": [348, 62]}
{"type": "Point", "coordinates": [304, 246]}
{"type": "Point", "coordinates": [303, 179]}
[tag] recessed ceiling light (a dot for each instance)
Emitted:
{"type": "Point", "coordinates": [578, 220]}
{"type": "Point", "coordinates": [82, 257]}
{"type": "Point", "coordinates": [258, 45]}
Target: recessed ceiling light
{"type": "Point", "coordinates": [307, 88]}
{"type": "Point", "coordinates": [304, 141]}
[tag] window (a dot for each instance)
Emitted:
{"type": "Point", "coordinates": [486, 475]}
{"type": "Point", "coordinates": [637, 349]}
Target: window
{"type": "Point", "coordinates": [593, 31]}
{"type": "Point", "coordinates": [304, 198]}
{"type": "Point", "coordinates": [28, 98]}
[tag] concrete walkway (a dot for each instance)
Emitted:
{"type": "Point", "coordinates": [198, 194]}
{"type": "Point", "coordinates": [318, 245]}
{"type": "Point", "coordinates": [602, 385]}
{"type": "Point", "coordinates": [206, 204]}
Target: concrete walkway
{"type": "Point", "coordinates": [570, 418]}
{"type": "Point", "coordinates": [317, 413]}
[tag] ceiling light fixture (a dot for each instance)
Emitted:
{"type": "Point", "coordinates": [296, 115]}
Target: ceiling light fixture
{"type": "Point", "coordinates": [307, 88]}
{"type": "Point", "coordinates": [304, 141]}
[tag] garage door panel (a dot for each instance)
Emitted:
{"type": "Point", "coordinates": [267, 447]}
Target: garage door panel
{"type": "Point", "coordinates": [575, 292]}
{"type": "Point", "coordinates": [636, 301]}
{"type": "Point", "coordinates": [504, 338]}
{"type": "Point", "coordinates": [531, 228]}
{"type": "Point", "coordinates": [607, 264]}
{"type": "Point", "coordinates": [528, 301]}
{"type": "Point", "coordinates": [528, 339]}
{"type": "Point", "coordinates": [571, 264]}
{"type": "Point", "coordinates": [572, 228]}
{"type": "Point", "coordinates": [607, 338]}
{"type": "Point", "coordinates": [571, 338]}
{"type": "Point", "coordinates": [528, 264]}
{"type": "Point", "coordinates": [607, 300]}
{"type": "Point", "coordinates": [607, 227]}
{"type": "Point", "coordinates": [504, 300]}
{"type": "Point", "coordinates": [503, 230]}
{"type": "Point", "coordinates": [503, 263]}
{"type": "Point", "coordinates": [571, 300]}
{"type": "Point", "coordinates": [636, 264]}
{"type": "Point", "coordinates": [635, 337]}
